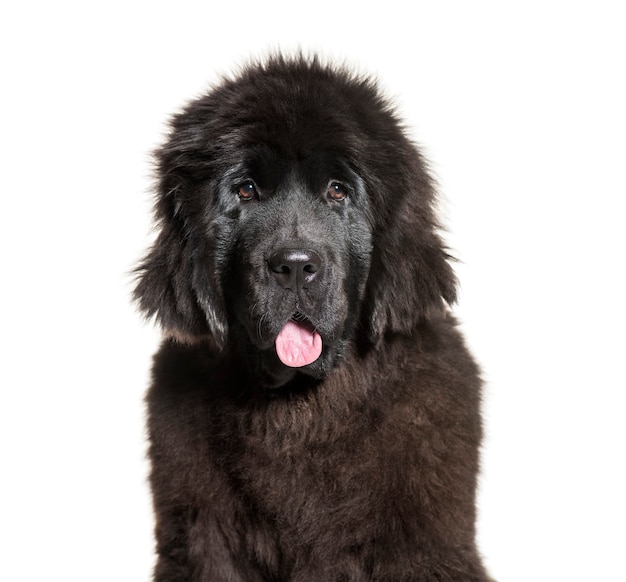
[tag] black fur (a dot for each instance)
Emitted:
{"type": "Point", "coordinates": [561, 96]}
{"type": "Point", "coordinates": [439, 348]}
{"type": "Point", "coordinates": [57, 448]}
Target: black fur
{"type": "Point", "coordinates": [361, 465]}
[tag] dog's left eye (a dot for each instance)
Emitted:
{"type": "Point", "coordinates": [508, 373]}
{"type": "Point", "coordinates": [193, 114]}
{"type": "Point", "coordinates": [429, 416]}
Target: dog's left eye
{"type": "Point", "coordinates": [337, 191]}
{"type": "Point", "coordinates": [247, 191]}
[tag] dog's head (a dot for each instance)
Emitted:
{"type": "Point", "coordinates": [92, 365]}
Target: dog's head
{"type": "Point", "coordinates": [293, 215]}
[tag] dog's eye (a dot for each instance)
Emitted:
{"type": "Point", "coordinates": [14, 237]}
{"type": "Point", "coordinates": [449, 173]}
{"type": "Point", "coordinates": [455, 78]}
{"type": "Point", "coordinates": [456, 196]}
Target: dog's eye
{"type": "Point", "coordinates": [337, 191]}
{"type": "Point", "coordinates": [247, 191]}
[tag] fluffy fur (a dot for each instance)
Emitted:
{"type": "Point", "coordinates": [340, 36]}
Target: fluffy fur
{"type": "Point", "coordinates": [362, 464]}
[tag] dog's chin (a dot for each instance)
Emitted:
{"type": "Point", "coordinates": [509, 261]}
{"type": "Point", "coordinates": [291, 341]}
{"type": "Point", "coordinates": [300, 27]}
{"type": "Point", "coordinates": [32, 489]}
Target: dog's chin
{"type": "Point", "coordinates": [269, 372]}
{"type": "Point", "coordinates": [288, 351]}
{"type": "Point", "coordinates": [274, 374]}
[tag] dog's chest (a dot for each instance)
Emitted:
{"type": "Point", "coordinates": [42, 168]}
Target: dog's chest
{"type": "Point", "coordinates": [307, 468]}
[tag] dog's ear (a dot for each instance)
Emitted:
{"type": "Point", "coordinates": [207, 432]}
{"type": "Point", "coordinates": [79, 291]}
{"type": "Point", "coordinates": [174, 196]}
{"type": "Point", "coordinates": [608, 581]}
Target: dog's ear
{"type": "Point", "coordinates": [178, 281]}
{"type": "Point", "coordinates": [411, 279]}
{"type": "Point", "coordinates": [178, 292]}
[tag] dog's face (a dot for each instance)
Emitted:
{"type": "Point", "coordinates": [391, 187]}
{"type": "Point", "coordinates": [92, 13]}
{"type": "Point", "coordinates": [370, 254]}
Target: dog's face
{"type": "Point", "coordinates": [295, 216]}
{"type": "Point", "coordinates": [296, 268]}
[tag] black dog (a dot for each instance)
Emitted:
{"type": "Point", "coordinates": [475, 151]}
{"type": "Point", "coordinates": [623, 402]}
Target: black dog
{"type": "Point", "coordinates": [314, 414]}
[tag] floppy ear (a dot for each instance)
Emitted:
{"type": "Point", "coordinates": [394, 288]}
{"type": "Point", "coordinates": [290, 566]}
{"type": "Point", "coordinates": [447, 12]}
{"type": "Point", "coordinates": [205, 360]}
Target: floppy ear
{"type": "Point", "coordinates": [178, 282]}
{"type": "Point", "coordinates": [180, 293]}
{"type": "Point", "coordinates": [411, 279]}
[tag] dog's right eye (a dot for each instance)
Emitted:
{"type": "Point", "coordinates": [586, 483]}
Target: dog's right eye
{"type": "Point", "coordinates": [247, 191]}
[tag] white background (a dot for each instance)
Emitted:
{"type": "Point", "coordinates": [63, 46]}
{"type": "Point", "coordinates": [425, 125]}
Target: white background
{"type": "Point", "coordinates": [520, 107]}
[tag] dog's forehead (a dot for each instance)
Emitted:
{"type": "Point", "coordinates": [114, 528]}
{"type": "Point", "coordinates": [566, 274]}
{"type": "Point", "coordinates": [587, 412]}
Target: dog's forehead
{"type": "Point", "coordinates": [293, 130]}
{"type": "Point", "coordinates": [272, 160]}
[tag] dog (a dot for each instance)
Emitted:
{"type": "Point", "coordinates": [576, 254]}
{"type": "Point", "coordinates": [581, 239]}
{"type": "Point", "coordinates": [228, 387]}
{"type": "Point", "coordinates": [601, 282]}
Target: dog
{"type": "Point", "coordinates": [314, 413]}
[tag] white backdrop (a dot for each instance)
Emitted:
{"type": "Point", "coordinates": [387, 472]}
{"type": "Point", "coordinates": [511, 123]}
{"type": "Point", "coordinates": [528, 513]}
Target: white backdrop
{"type": "Point", "coordinates": [520, 107]}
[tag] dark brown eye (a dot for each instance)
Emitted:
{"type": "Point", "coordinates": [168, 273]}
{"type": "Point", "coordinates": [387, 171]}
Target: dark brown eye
{"type": "Point", "coordinates": [337, 191]}
{"type": "Point", "coordinates": [247, 191]}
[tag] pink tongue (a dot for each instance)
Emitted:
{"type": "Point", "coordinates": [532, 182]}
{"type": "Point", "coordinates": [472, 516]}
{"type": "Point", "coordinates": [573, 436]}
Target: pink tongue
{"type": "Point", "coordinates": [298, 346]}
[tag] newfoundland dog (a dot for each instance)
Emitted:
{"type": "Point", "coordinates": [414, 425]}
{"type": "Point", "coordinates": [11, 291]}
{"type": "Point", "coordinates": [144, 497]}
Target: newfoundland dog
{"type": "Point", "coordinates": [314, 413]}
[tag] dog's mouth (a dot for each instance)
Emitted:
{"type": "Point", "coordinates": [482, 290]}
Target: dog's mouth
{"type": "Point", "coordinates": [298, 343]}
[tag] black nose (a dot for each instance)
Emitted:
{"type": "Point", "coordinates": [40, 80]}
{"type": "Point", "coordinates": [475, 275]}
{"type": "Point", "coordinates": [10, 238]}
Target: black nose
{"type": "Point", "coordinates": [295, 269]}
